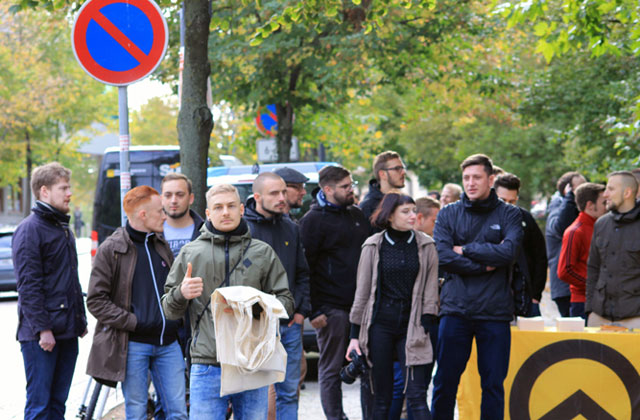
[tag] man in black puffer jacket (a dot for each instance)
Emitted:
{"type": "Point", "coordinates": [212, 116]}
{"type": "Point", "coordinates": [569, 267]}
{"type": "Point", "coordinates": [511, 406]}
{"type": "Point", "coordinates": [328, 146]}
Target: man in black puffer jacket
{"type": "Point", "coordinates": [50, 306]}
{"type": "Point", "coordinates": [332, 233]}
{"type": "Point", "coordinates": [264, 213]}
{"type": "Point", "coordinates": [478, 238]}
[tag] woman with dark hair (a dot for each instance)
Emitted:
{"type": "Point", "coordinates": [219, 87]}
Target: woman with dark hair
{"type": "Point", "coordinates": [396, 302]}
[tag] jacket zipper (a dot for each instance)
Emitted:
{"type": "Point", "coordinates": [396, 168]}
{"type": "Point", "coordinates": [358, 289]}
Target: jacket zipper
{"type": "Point", "coordinates": [155, 286]}
{"type": "Point", "coordinates": [226, 262]}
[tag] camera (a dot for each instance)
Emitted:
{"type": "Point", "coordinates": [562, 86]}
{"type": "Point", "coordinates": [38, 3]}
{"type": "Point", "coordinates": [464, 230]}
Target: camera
{"type": "Point", "coordinates": [357, 367]}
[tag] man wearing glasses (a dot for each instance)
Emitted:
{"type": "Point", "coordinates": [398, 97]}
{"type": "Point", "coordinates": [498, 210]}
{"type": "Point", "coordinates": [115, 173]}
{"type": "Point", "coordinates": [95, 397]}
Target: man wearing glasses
{"type": "Point", "coordinates": [332, 233]}
{"type": "Point", "coordinates": [389, 172]}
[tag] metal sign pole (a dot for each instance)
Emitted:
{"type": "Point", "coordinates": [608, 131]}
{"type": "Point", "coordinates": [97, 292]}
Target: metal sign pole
{"type": "Point", "coordinates": [125, 175]}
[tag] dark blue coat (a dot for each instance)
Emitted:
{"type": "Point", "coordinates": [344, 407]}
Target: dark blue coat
{"type": "Point", "coordinates": [46, 266]}
{"type": "Point", "coordinates": [491, 233]}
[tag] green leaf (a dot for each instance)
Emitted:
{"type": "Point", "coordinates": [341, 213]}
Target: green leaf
{"type": "Point", "coordinates": [541, 29]}
{"type": "Point", "coordinates": [545, 49]}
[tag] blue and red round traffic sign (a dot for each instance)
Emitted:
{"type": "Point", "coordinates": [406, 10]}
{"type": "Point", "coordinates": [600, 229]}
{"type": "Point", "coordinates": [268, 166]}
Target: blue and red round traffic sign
{"type": "Point", "coordinates": [119, 42]}
{"type": "Point", "coordinates": [267, 120]}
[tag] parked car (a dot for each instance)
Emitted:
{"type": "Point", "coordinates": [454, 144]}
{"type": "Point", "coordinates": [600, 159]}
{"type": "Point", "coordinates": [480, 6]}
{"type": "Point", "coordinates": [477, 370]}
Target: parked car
{"type": "Point", "coordinates": [7, 275]}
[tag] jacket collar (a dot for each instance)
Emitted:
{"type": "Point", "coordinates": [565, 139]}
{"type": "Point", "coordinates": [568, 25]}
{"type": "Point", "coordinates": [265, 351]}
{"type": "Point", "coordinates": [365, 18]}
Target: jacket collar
{"type": "Point", "coordinates": [586, 219]}
{"type": "Point", "coordinates": [422, 239]}
{"type": "Point", "coordinates": [50, 213]}
{"type": "Point", "coordinates": [481, 206]}
{"type": "Point", "coordinates": [252, 215]}
{"type": "Point", "coordinates": [628, 217]}
{"type": "Point", "coordinates": [208, 234]}
{"type": "Point", "coordinates": [197, 220]}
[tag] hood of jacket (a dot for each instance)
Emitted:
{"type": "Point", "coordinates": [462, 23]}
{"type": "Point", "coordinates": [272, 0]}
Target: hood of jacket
{"type": "Point", "coordinates": [374, 190]}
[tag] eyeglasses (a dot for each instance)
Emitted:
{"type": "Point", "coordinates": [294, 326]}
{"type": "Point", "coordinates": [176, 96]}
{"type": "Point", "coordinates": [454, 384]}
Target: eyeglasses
{"type": "Point", "coordinates": [347, 187]}
{"type": "Point", "coordinates": [399, 168]}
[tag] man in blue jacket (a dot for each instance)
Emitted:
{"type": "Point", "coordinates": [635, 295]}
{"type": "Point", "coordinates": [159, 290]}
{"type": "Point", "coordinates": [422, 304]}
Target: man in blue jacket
{"type": "Point", "coordinates": [478, 238]}
{"type": "Point", "coordinates": [50, 306]}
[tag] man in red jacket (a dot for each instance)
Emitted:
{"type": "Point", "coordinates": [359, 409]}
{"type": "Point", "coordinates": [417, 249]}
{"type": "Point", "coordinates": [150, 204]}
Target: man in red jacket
{"type": "Point", "coordinates": [572, 264]}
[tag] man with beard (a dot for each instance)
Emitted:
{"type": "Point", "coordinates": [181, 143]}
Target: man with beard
{"type": "Point", "coordinates": [389, 172]}
{"type": "Point", "coordinates": [50, 306]}
{"type": "Point", "coordinates": [182, 224]}
{"type": "Point", "coordinates": [613, 271]}
{"type": "Point", "coordinates": [264, 214]}
{"type": "Point", "coordinates": [295, 181]}
{"type": "Point", "coordinates": [332, 233]}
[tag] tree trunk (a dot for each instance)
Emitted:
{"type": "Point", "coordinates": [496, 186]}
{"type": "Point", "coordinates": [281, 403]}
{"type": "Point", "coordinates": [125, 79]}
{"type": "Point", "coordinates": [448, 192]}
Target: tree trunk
{"type": "Point", "coordinates": [195, 121]}
{"type": "Point", "coordinates": [285, 131]}
{"type": "Point", "coordinates": [26, 192]}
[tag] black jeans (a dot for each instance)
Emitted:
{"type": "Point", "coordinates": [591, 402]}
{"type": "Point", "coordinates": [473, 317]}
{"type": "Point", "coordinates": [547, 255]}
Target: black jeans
{"type": "Point", "coordinates": [387, 337]}
{"type": "Point", "coordinates": [333, 340]}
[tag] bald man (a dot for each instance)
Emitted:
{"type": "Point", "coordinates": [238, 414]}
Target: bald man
{"type": "Point", "coordinates": [264, 214]}
{"type": "Point", "coordinates": [613, 268]}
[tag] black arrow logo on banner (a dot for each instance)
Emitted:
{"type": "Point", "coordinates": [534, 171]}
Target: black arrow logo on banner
{"type": "Point", "coordinates": [579, 402]}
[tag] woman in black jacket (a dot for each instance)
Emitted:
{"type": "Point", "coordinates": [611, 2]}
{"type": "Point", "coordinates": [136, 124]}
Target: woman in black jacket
{"type": "Point", "coordinates": [395, 304]}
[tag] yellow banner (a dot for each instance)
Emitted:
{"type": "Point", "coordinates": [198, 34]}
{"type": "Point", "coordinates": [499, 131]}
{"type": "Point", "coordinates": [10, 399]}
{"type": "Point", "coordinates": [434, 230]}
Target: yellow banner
{"type": "Point", "coordinates": [562, 375]}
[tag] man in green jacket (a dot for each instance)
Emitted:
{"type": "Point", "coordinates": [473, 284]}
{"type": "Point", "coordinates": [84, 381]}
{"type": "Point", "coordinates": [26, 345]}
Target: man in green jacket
{"type": "Point", "coordinates": [223, 255]}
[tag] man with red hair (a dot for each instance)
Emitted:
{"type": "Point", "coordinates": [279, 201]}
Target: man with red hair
{"type": "Point", "coordinates": [133, 336]}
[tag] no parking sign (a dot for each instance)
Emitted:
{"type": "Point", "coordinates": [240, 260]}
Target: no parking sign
{"type": "Point", "coordinates": [119, 42]}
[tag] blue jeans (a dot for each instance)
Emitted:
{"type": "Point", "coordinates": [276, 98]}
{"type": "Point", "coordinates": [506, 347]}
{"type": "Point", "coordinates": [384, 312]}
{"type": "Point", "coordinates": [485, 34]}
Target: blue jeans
{"type": "Point", "coordinates": [287, 391]}
{"type": "Point", "coordinates": [167, 373]}
{"type": "Point", "coordinates": [207, 404]}
{"type": "Point", "coordinates": [493, 341]}
{"type": "Point", "coordinates": [49, 377]}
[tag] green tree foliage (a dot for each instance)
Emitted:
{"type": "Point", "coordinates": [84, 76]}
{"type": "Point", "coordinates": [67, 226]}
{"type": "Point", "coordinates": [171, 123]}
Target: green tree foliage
{"type": "Point", "coordinates": [599, 26]}
{"type": "Point", "coordinates": [45, 97]}
{"type": "Point", "coordinates": [155, 123]}
{"type": "Point", "coordinates": [305, 57]}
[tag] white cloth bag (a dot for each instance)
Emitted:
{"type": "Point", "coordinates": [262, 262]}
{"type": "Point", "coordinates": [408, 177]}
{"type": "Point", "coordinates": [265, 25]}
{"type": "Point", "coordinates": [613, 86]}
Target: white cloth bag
{"type": "Point", "coordinates": [249, 350]}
